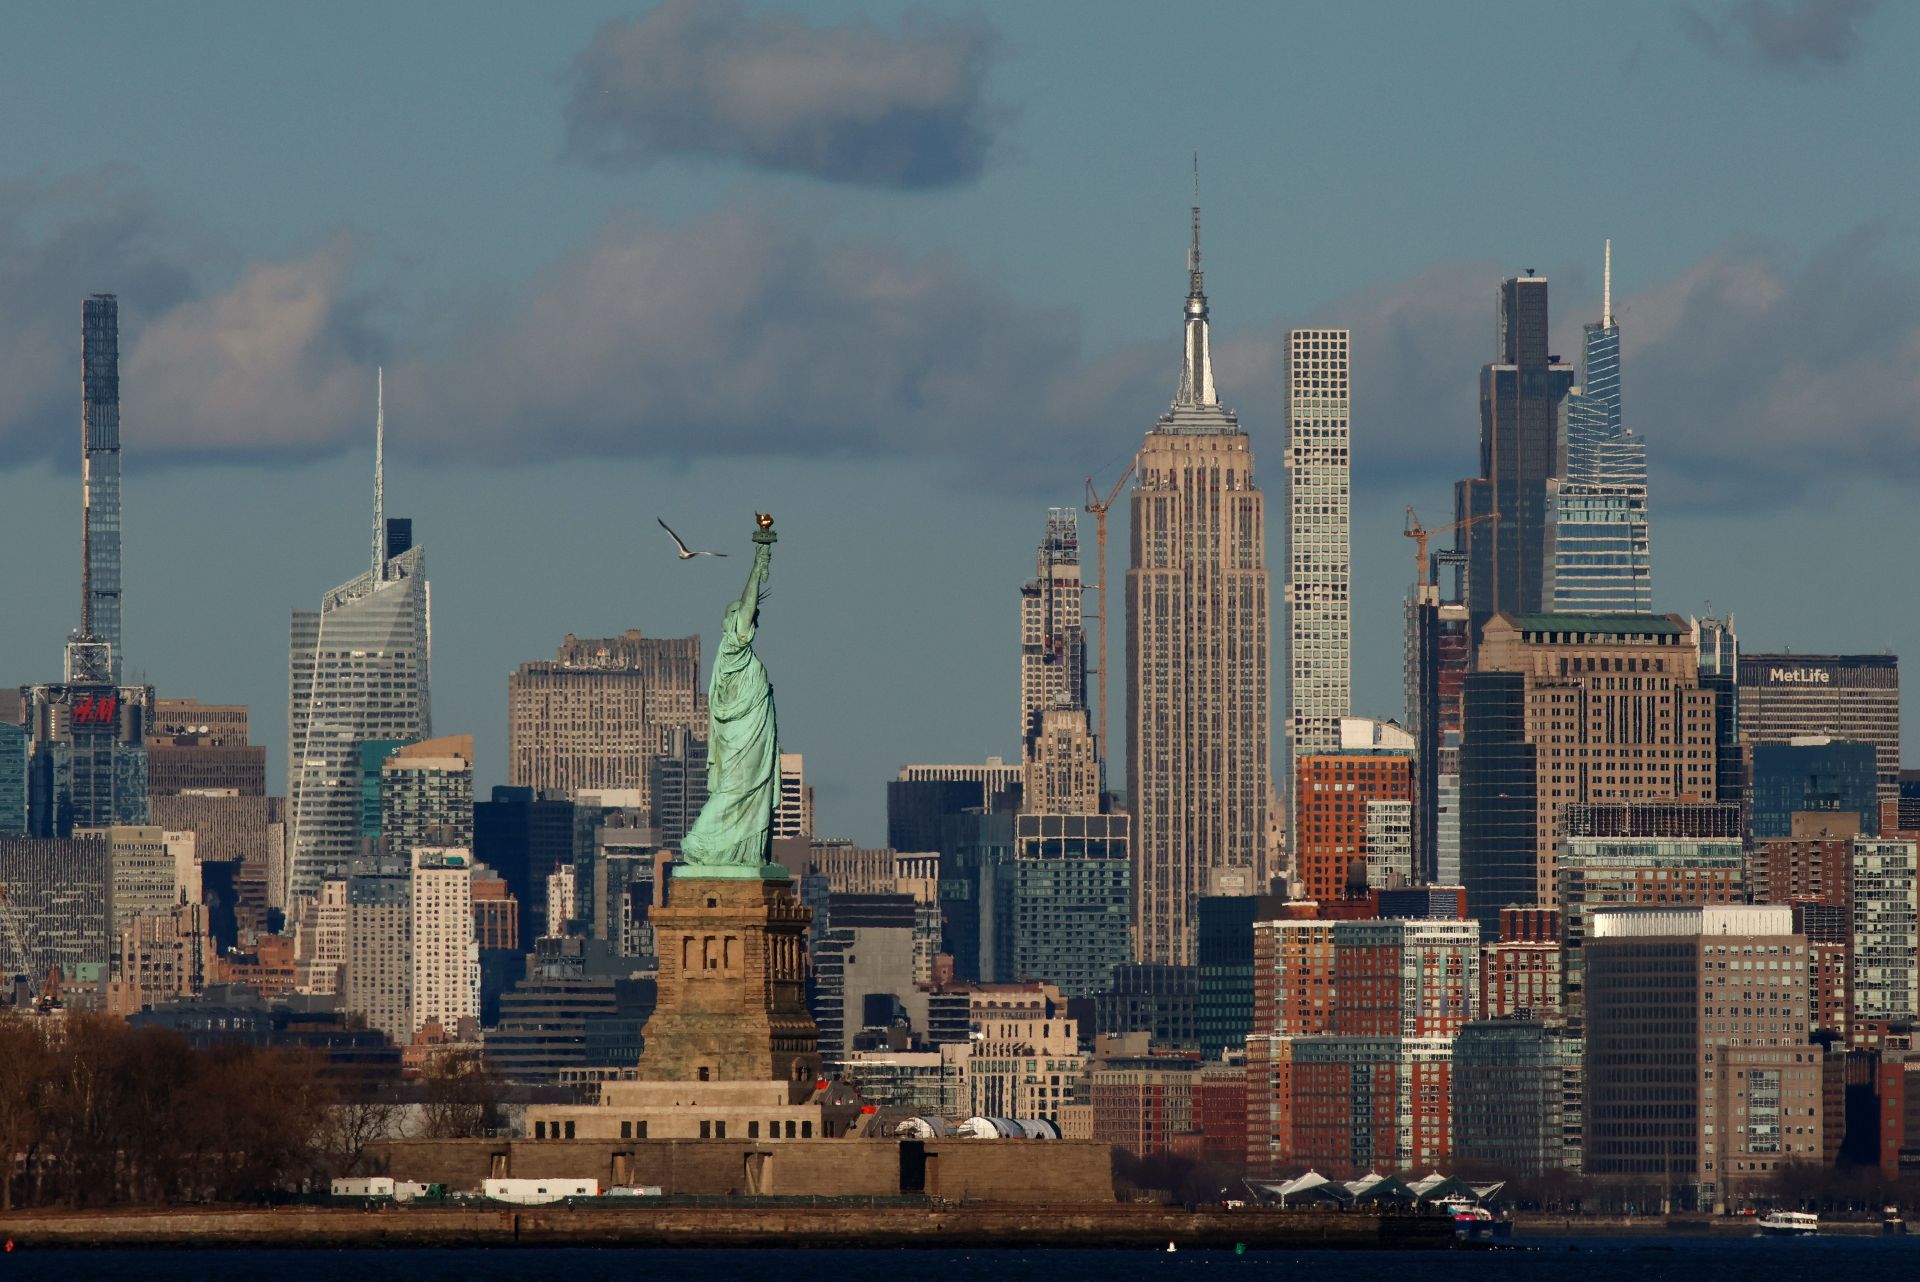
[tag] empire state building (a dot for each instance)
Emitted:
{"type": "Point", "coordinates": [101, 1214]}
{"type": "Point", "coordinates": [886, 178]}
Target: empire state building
{"type": "Point", "coordinates": [1198, 729]}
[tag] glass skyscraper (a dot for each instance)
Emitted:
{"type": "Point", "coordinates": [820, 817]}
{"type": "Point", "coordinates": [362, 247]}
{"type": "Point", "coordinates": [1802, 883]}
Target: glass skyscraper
{"type": "Point", "coordinates": [1599, 558]}
{"type": "Point", "coordinates": [358, 670]}
{"type": "Point", "coordinates": [1522, 395]}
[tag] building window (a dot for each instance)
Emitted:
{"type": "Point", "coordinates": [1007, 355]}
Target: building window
{"type": "Point", "coordinates": [719, 1130]}
{"type": "Point", "coordinates": [753, 1130]}
{"type": "Point", "coordinates": [790, 1130]}
{"type": "Point", "coordinates": [806, 1130]}
{"type": "Point", "coordinates": [539, 1130]}
{"type": "Point", "coordinates": [569, 1130]}
{"type": "Point", "coordinates": [626, 1130]}
{"type": "Point", "coordinates": [641, 1127]}
{"type": "Point", "coordinates": [706, 1130]}
{"type": "Point", "coordinates": [705, 1074]}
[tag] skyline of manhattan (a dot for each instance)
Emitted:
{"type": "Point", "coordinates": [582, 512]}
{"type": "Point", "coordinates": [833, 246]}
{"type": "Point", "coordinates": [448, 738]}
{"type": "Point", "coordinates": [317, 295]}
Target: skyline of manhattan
{"type": "Point", "coordinates": [272, 535]}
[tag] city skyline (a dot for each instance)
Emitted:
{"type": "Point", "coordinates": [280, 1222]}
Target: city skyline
{"type": "Point", "coordinates": [187, 494]}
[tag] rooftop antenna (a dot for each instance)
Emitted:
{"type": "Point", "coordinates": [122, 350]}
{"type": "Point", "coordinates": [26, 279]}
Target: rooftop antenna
{"type": "Point", "coordinates": [1606, 289]}
{"type": "Point", "coordinates": [380, 476]}
{"type": "Point", "coordinates": [1193, 254]}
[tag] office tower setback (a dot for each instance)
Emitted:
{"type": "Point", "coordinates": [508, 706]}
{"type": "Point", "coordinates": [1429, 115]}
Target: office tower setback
{"type": "Point", "coordinates": [1599, 558]}
{"type": "Point", "coordinates": [1053, 644]}
{"type": "Point", "coordinates": [1063, 764]}
{"type": "Point", "coordinates": [1319, 541]}
{"type": "Point", "coordinates": [1568, 709]}
{"type": "Point", "coordinates": [1700, 1080]}
{"type": "Point", "coordinates": [94, 657]}
{"type": "Point", "coordinates": [358, 669]}
{"type": "Point", "coordinates": [1850, 697]}
{"type": "Point", "coordinates": [593, 716]}
{"type": "Point", "coordinates": [1198, 717]}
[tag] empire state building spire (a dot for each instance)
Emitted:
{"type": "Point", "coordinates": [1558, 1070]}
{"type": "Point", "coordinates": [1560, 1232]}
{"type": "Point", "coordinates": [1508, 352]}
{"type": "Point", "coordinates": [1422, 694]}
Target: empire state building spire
{"type": "Point", "coordinates": [1196, 370]}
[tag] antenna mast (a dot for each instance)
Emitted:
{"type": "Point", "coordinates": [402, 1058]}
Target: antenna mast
{"type": "Point", "coordinates": [380, 476]}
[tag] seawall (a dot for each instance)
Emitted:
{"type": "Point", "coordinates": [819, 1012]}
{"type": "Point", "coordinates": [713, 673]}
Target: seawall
{"type": "Point", "coordinates": [759, 1225]}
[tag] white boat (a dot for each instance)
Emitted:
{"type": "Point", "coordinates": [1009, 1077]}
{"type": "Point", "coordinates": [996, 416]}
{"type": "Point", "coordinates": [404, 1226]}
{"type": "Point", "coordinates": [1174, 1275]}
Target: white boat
{"type": "Point", "coordinates": [1788, 1224]}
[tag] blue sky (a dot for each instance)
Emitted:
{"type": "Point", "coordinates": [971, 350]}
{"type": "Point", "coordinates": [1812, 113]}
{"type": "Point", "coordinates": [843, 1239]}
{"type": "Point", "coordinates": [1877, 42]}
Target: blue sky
{"type": "Point", "coordinates": [904, 276]}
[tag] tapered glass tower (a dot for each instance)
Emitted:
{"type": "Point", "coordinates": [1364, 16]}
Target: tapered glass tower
{"type": "Point", "coordinates": [1599, 558]}
{"type": "Point", "coordinates": [358, 670]}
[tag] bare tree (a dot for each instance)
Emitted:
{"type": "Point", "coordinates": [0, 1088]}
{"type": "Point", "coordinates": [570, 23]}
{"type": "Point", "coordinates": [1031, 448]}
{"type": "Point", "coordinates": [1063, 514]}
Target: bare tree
{"type": "Point", "coordinates": [460, 1097]}
{"type": "Point", "coordinates": [26, 1067]}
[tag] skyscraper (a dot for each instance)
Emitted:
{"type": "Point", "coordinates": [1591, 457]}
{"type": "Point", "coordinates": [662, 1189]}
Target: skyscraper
{"type": "Point", "coordinates": [358, 670]}
{"type": "Point", "coordinates": [1197, 656]}
{"type": "Point", "coordinates": [1565, 709]}
{"type": "Point", "coordinates": [1599, 557]}
{"type": "Point", "coordinates": [1854, 697]}
{"type": "Point", "coordinates": [594, 715]}
{"type": "Point", "coordinates": [1053, 644]}
{"type": "Point", "coordinates": [100, 478]}
{"type": "Point", "coordinates": [1521, 395]}
{"type": "Point", "coordinates": [1319, 542]}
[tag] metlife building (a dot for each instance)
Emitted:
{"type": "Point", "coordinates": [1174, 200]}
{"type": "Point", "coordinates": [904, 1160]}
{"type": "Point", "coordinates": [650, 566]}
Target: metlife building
{"type": "Point", "coordinates": [1854, 697]}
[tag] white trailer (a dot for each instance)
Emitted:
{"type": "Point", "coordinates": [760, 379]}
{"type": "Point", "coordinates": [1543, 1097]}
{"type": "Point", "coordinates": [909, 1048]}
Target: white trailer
{"type": "Point", "coordinates": [536, 1192]}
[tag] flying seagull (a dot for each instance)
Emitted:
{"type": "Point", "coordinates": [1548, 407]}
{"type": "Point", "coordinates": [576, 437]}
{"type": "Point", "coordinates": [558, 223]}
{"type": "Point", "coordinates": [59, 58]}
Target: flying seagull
{"type": "Point", "coordinates": [686, 553]}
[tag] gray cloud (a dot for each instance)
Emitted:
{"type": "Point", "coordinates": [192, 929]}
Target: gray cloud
{"type": "Point", "coordinates": [267, 366]}
{"type": "Point", "coordinates": [1753, 372]}
{"type": "Point", "coordinates": [851, 103]}
{"type": "Point", "coordinates": [59, 242]}
{"type": "Point", "coordinates": [1789, 35]}
{"type": "Point", "coordinates": [740, 334]}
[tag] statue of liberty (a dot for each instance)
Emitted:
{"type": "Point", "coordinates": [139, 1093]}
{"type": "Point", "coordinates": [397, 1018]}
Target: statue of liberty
{"type": "Point", "coordinates": [733, 837]}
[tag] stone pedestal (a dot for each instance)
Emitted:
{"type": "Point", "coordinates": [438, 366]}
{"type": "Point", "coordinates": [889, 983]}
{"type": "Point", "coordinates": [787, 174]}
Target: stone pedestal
{"type": "Point", "coordinates": [732, 998]}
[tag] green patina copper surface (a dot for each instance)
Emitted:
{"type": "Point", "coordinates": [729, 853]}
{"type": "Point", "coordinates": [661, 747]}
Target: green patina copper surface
{"type": "Point", "coordinates": [733, 837]}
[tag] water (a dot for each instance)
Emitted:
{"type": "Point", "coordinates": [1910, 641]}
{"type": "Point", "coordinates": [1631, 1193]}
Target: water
{"type": "Point", "coordinates": [1529, 1260]}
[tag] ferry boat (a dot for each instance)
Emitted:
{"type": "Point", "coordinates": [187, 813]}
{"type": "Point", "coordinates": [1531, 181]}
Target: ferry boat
{"type": "Point", "coordinates": [1788, 1224]}
{"type": "Point", "coordinates": [1474, 1223]}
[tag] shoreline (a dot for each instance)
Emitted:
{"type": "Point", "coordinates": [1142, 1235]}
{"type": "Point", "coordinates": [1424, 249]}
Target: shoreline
{"type": "Point", "coordinates": [1540, 1224]}
{"type": "Point", "coordinates": [977, 1226]}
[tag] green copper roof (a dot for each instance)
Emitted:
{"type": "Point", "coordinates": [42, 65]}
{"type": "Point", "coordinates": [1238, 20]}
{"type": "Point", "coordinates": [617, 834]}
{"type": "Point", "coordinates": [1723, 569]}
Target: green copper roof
{"type": "Point", "coordinates": [1660, 625]}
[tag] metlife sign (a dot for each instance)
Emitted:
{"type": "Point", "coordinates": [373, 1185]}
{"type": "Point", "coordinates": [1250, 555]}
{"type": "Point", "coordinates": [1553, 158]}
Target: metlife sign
{"type": "Point", "coordinates": [1799, 676]}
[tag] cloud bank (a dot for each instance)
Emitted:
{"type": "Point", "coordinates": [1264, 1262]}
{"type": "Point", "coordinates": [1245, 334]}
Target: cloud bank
{"type": "Point", "coordinates": [849, 104]}
{"type": "Point", "coordinates": [1786, 35]}
{"type": "Point", "coordinates": [1753, 373]}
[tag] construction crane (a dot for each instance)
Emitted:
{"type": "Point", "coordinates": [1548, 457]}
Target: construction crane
{"type": "Point", "coordinates": [14, 953]}
{"type": "Point", "coordinates": [1098, 507]}
{"type": "Point", "coordinates": [1420, 534]}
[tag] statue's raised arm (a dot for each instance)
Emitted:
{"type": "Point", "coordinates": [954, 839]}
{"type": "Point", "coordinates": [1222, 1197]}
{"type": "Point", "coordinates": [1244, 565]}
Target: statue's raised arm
{"type": "Point", "coordinates": [743, 616]}
{"type": "Point", "coordinates": [734, 833]}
